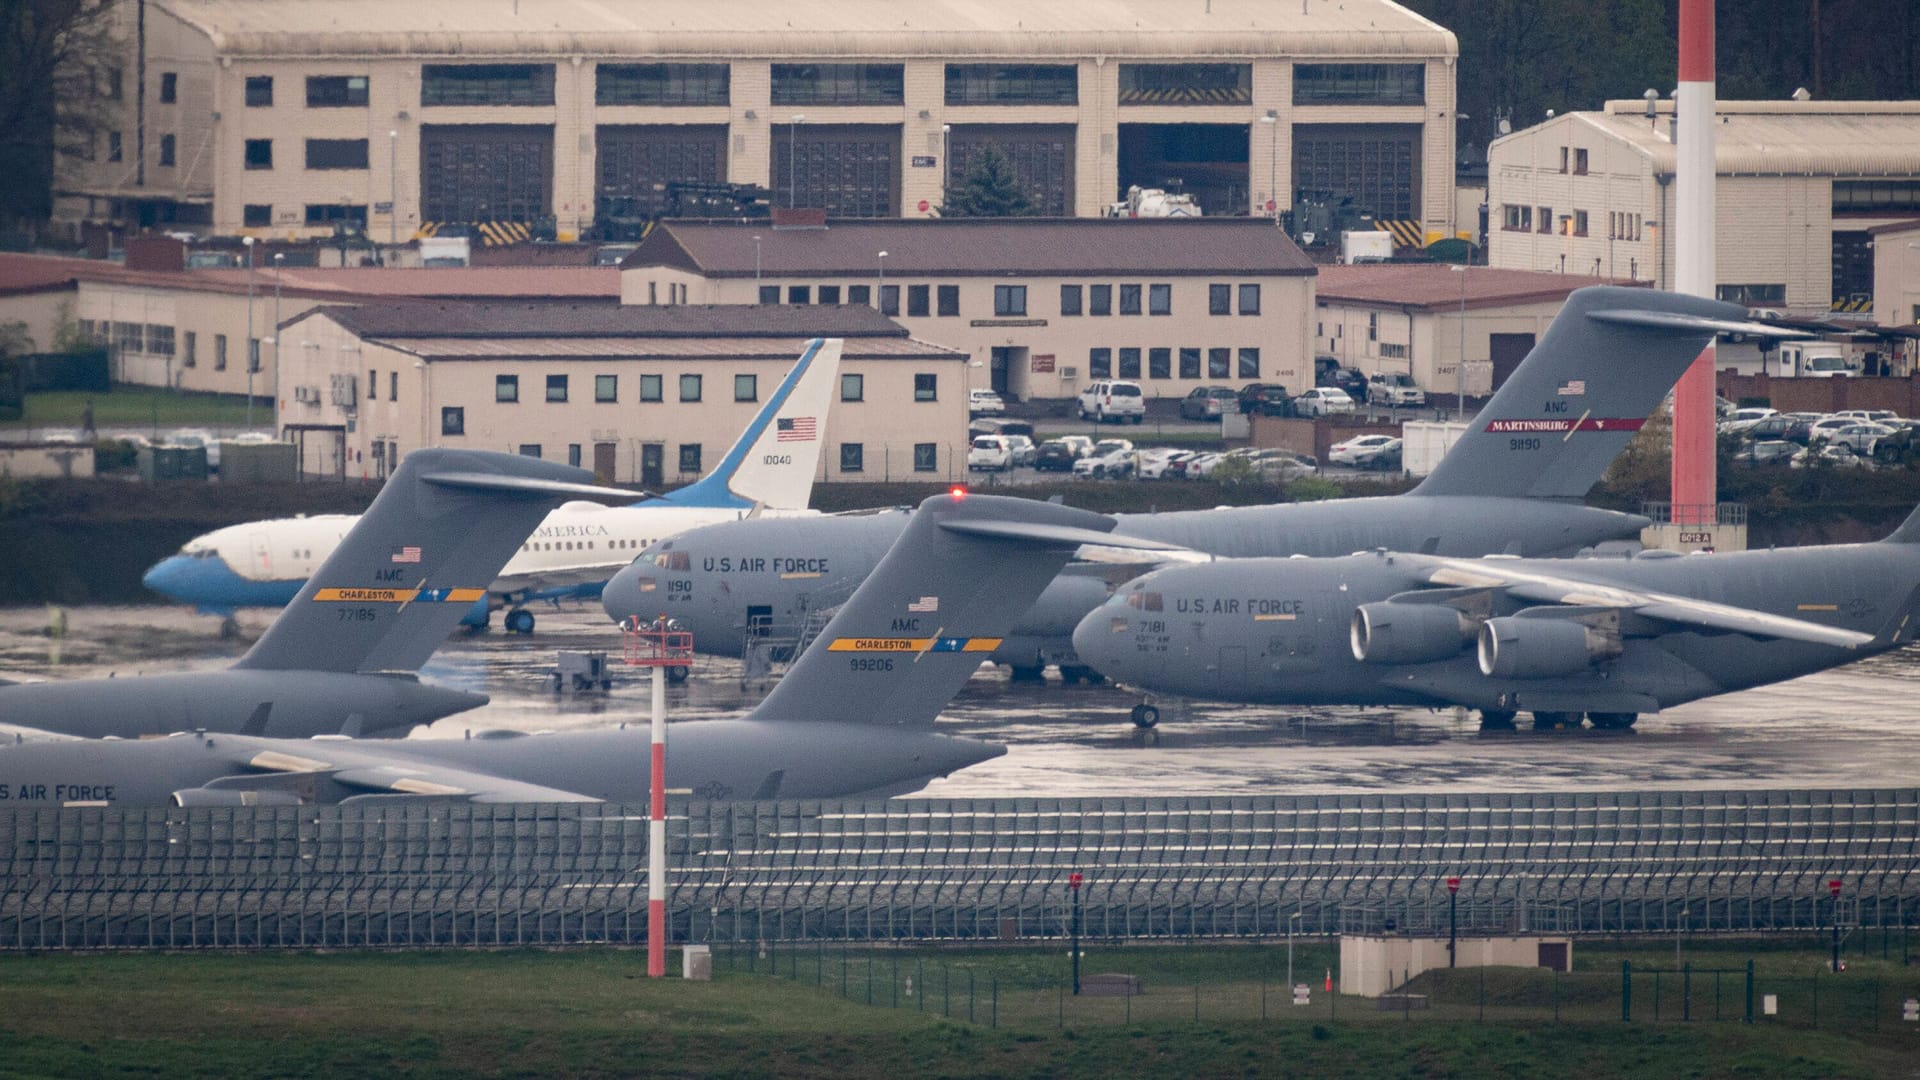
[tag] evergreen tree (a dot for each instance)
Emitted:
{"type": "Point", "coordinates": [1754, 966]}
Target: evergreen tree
{"type": "Point", "coordinates": [990, 189]}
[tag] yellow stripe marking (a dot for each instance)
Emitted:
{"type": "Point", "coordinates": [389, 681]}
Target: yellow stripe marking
{"type": "Point", "coordinates": [415, 786]}
{"type": "Point", "coordinates": [279, 762]}
{"type": "Point", "coordinates": [904, 645]}
{"type": "Point", "coordinates": [392, 596]}
{"type": "Point", "coordinates": [796, 576]}
{"type": "Point", "coordinates": [1819, 607]}
{"type": "Point", "coordinates": [1273, 618]}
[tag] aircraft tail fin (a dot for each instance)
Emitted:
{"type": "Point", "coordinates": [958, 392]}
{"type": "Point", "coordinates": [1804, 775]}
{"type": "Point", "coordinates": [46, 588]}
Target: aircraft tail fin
{"type": "Point", "coordinates": [1908, 532]}
{"type": "Point", "coordinates": [1567, 411]}
{"type": "Point", "coordinates": [774, 461]}
{"type": "Point", "coordinates": [936, 606]}
{"type": "Point", "coordinates": [439, 532]}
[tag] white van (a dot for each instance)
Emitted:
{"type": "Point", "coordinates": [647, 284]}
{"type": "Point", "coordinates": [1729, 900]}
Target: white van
{"type": "Point", "coordinates": [1818, 360]}
{"type": "Point", "coordinates": [1113, 399]}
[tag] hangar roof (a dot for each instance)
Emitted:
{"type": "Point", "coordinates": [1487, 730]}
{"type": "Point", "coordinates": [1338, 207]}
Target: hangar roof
{"type": "Point", "coordinates": [1818, 138]}
{"type": "Point", "coordinates": [989, 29]}
{"type": "Point", "coordinates": [995, 247]}
{"type": "Point", "coordinates": [1438, 287]}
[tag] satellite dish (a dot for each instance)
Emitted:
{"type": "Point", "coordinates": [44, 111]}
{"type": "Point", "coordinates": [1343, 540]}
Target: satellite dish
{"type": "Point", "coordinates": [1506, 126]}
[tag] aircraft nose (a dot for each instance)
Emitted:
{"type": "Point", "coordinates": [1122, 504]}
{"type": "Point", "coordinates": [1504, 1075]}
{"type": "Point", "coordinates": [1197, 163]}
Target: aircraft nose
{"type": "Point", "coordinates": [621, 597]}
{"type": "Point", "coordinates": [1094, 640]}
{"type": "Point", "coordinates": [168, 576]}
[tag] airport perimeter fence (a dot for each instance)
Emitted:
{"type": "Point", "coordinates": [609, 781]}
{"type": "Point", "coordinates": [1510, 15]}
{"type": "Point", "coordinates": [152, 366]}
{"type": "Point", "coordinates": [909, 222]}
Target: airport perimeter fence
{"type": "Point", "coordinates": [418, 873]}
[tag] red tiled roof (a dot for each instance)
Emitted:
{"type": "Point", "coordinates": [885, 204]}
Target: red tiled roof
{"type": "Point", "coordinates": [1436, 286]}
{"type": "Point", "coordinates": [600, 283]}
{"type": "Point", "coordinates": [21, 274]}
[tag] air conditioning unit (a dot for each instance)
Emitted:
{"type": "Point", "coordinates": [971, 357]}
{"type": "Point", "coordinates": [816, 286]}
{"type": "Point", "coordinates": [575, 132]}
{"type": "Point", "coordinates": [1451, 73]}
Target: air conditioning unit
{"type": "Point", "coordinates": [346, 390]}
{"type": "Point", "coordinates": [1069, 372]}
{"type": "Point", "coordinates": [309, 395]}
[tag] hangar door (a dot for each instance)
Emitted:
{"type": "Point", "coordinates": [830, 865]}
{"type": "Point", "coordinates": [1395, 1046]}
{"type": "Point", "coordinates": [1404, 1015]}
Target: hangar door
{"type": "Point", "coordinates": [1041, 156]}
{"type": "Point", "coordinates": [849, 170]}
{"type": "Point", "coordinates": [486, 172]}
{"type": "Point", "coordinates": [636, 162]}
{"type": "Point", "coordinates": [1375, 165]}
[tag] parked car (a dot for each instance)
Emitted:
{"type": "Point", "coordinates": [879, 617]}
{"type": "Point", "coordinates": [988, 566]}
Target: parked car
{"type": "Point", "coordinates": [1774, 427]}
{"type": "Point", "coordinates": [1324, 401]}
{"type": "Point", "coordinates": [1267, 399]}
{"type": "Point", "coordinates": [1202, 468]}
{"type": "Point", "coordinates": [1111, 459]}
{"type": "Point", "coordinates": [1875, 416]}
{"type": "Point", "coordinates": [984, 403]}
{"type": "Point", "coordinates": [1054, 455]}
{"type": "Point", "coordinates": [1859, 437]}
{"type": "Point", "coordinates": [1385, 457]}
{"type": "Point", "coordinates": [1768, 452]}
{"type": "Point", "coordinates": [1022, 449]}
{"type": "Point", "coordinates": [990, 452]}
{"type": "Point", "coordinates": [1283, 466]}
{"type": "Point", "coordinates": [1826, 427]}
{"type": "Point", "coordinates": [1113, 399]}
{"type": "Point", "coordinates": [1081, 445]}
{"type": "Point", "coordinates": [1328, 371]}
{"type": "Point", "coordinates": [1207, 403]}
{"type": "Point", "coordinates": [1348, 451]}
{"type": "Point", "coordinates": [1197, 466]}
{"type": "Point", "coordinates": [1743, 419]}
{"type": "Point", "coordinates": [1158, 463]}
{"type": "Point", "coordinates": [1395, 391]}
{"type": "Point", "coordinates": [191, 437]}
{"type": "Point", "coordinates": [1834, 456]}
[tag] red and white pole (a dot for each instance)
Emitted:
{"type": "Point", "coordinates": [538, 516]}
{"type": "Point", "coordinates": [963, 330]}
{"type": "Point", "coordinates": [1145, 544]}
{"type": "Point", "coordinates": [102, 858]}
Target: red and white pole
{"type": "Point", "coordinates": [1695, 485]}
{"type": "Point", "coordinates": [657, 827]}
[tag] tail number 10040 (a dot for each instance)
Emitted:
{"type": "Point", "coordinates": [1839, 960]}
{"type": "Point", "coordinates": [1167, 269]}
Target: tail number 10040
{"type": "Point", "coordinates": [777, 459]}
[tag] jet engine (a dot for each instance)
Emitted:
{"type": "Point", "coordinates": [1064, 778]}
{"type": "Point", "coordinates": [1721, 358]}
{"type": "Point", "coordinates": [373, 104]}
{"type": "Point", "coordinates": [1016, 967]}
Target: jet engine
{"type": "Point", "coordinates": [1522, 648]}
{"type": "Point", "coordinates": [206, 796]}
{"type": "Point", "coordinates": [1390, 633]}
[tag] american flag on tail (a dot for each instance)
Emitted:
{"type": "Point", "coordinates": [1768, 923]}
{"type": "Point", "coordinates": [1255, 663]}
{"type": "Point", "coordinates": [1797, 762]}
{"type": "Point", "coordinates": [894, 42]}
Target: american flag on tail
{"type": "Point", "coordinates": [794, 429]}
{"type": "Point", "coordinates": [408, 554]}
{"type": "Point", "coordinates": [925, 603]}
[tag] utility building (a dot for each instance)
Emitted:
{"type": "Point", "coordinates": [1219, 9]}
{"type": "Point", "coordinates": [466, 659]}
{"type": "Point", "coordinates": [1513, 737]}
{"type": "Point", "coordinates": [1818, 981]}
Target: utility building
{"type": "Point", "coordinates": [294, 117]}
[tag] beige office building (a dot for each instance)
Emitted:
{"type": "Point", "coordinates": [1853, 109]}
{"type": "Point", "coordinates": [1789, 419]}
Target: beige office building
{"type": "Point", "coordinates": [1041, 306]}
{"type": "Point", "coordinates": [287, 117]}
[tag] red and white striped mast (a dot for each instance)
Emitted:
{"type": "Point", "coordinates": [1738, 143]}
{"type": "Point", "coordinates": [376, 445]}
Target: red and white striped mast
{"type": "Point", "coordinates": [1695, 485]}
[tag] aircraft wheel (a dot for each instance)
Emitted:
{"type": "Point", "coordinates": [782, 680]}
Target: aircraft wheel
{"type": "Point", "coordinates": [1496, 720]}
{"type": "Point", "coordinates": [677, 673]}
{"type": "Point", "coordinates": [1070, 674]}
{"type": "Point", "coordinates": [1613, 721]}
{"type": "Point", "coordinates": [1547, 721]}
{"type": "Point", "coordinates": [1022, 673]}
{"type": "Point", "coordinates": [1145, 716]}
{"type": "Point", "coordinates": [229, 628]}
{"type": "Point", "coordinates": [518, 621]}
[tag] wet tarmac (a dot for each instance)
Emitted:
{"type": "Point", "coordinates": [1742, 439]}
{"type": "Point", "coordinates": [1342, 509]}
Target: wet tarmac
{"type": "Point", "coordinates": [1849, 728]}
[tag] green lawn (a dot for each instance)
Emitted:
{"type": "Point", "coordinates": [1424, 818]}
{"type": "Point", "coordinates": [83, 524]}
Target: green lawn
{"type": "Point", "coordinates": [592, 1012]}
{"type": "Point", "coordinates": [131, 406]}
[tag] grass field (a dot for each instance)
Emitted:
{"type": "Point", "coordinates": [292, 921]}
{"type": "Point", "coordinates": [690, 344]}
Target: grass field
{"type": "Point", "coordinates": [139, 407]}
{"type": "Point", "coordinates": [591, 1012]}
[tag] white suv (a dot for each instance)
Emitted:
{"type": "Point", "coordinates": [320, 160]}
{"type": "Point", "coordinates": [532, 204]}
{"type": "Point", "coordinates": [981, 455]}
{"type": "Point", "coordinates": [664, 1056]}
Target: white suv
{"type": "Point", "coordinates": [990, 452]}
{"type": "Point", "coordinates": [985, 403]}
{"type": "Point", "coordinates": [1394, 391]}
{"type": "Point", "coordinates": [1113, 399]}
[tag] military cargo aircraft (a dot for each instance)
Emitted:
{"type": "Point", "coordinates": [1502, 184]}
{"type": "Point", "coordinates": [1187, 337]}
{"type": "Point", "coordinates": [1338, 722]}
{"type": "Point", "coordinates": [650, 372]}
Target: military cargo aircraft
{"type": "Point", "coordinates": [770, 469]}
{"type": "Point", "coordinates": [1512, 484]}
{"type": "Point", "coordinates": [1607, 639]}
{"type": "Point", "coordinates": [344, 654]}
{"type": "Point", "coordinates": [852, 718]}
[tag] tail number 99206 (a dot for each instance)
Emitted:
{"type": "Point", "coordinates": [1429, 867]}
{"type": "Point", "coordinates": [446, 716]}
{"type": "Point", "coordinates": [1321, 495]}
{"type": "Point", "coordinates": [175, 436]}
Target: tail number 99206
{"type": "Point", "coordinates": [870, 663]}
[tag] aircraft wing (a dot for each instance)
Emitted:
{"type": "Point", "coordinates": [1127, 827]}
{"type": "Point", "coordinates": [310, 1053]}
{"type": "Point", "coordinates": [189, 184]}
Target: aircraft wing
{"type": "Point", "coordinates": [1529, 584]}
{"type": "Point", "coordinates": [554, 577]}
{"type": "Point", "coordinates": [357, 766]}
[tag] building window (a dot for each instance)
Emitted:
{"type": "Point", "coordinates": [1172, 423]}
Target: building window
{"type": "Point", "coordinates": [453, 420]}
{"type": "Point", "coordinates": [1099, 363]}
{"type": "Point", "coordinates": [1009, 300]}
{"type": "Point", "coordinates": [486, 84]}
{"type": "Point", "coordinates": [769, 294]}
{"type": "Point", "coordinates": [1159, 363]}
{"type": "Point", "coordinates": [159, 339]}
{"type": "Point", "coordinates": [1013, 84]}
{"type": "Point", "coordinates": [1359, 84]}
{"type": "Point", "coordinates": [1516, 218]}
{"type": "Point", "coordinates": [1249, 299]}
{"type": "Point", "coordinates": [1373, 326]}
{"type": "Point", "coordinates": [948, 298]}
{"type": "Point", "coordinates": [652, 388]}
{"type": "Point", "coordinates": [746, 388]}
{"type": "Point", "coordinates": [256, 215]}
{"type": "Point", "coordinates": [1219, 299]}
{"type": "Point", "coordinates": [799, 294]}
{"type": "Point", "coordinates": [926, 457]}
{"type": "Point", "coordinates": [829, 294]}
{"type": "Point", "coordinates": [860, 294]}
{"type": "Point", "coordinates": [890, 300]}
{"type": "Point", "coordinates": [917, 301]}
{"type": "Point", "coordinates": [852, 456]}
{"type": "Point", "coordinates": [556, 388]}
{"type": "Point", "coordinates": [1579, 223]}
{"type": "Point", "coordinates": [1189, 363]}
{"type": "Point", "coordinates": [1752, 295]}
{"type": "Point", "coordinates": [506, 388]}
{"type": "Point", "coordinates": [661, 84]}
{"type": "Point", "coordinates": [1186, 84]}
{"type": "Point", "coordinates": [1129, 299]}
{"type": "Point", "coordinates": [259, 153]}
{"type": "Point", "coordinates": [191, 358]}
{"type": "Point", "coordinates": [259, 91]}
{"type": "Point", "coordinates": [1579, 161]}
{"type": "Point", "coordinates": [114, 152]}
{"type": "Point", "coordinates": [853, 387]}
{"type": "Point", "coordinates": [336, 91]}
{"type": "Point", "coordinates": [530, 449]}
{"type": "Point", "coordinates": [690, 457]}
{"type": "Point", "coordinates": [253, 354]}
{"type": "Point", "coordinates": [838, 84]}
{"type": "Point", "coordinates": [1129, 363]}
{"type": "Point", "coordinates": [1543, 216]}
{"type": "Point", "coordinates": [328, 213]}
{"type": "Point", "coordinates": [1159, 299]}
{"type": "Point", "coordinates": [1099, 299]}
{"type": "Point", "coordinates": [166, 150]}
{"type": "Point", "coordinates": [169, 88]}
{"type": "Point", "coordinates": [689, 388]}
{"type": "Point", "coordinates": [573, 456]}
{"type": "Point", "coordinates": [336, 153]}
{"type": "Point", "coordinates": [373, 385]}
{"type": "Point", "coordinates": [1070, 299]}
{"type": "Point", "coordinates": [606, 388]}
{"type": "Point", "coordinates": [112, 88]}
{"type": "Point", "coordinates": [1219, 363]}
{"type": "Point", "coordinates": [393, 386]}
{"type": "Point", "coordinates": [219, 352]}
{"type": "Point", "coordinates": [1249, 363]}
{"type": "Point", "coordinates": [926, 387]}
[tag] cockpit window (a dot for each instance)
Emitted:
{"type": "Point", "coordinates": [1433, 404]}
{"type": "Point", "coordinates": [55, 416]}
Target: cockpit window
{"type": "Point", "coordinates": [1144, 601]}
{"type": "Point", "coordinates": [673, 560]}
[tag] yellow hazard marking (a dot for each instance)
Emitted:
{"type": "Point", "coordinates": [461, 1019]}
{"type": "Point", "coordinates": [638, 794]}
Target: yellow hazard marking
{"type": "Point", "coordinates": [903, 645]}
{"type": "Point", "coordinates": [1273, 618]}
{"type": "Point", "coordinates": [1819, 607]}
{"type": "Point", "coordinates": [398, 596]}
{"type": "Point", "coordinates": [795, 576]}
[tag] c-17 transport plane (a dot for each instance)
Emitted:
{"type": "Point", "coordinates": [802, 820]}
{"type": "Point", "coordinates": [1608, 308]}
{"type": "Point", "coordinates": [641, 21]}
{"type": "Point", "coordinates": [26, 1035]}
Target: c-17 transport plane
{"type": "Point", "coordinates": [1512, 484]}
{"type": "Point", "coordinates": [1559, 638]}
{"type": "Point", "coordinates": [344, 655]}
{"type": "Point", "coordinates": [769, 469]}
{"type": "Point", "coordinates": [852, 718]}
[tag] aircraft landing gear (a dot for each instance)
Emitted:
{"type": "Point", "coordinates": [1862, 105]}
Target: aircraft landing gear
{"type": "Point", "coordinates": [518, 621]}
{"type": "Point", "coordinates": [676, 673]}
{"type": "Point", "coordinates": [1144, 715]}
{"type": "Point", "coordinates": [1023, 673]}
{"type": "Point", "coordinates": [1496, 720]}
{"type": "Point", "coordinates": [1613, 721]}
{"type": "Point", "coordinates": [1547, 721]}
{"type": "Point", "coordinates": [1073, 673]}
{"type": "Point", "coordinates": [229, 628]}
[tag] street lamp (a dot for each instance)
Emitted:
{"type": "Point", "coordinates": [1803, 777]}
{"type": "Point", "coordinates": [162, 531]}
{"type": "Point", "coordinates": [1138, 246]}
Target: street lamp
{"type": "Point", "coordinates": [946, 160]}
{"type": "Point", "coordinates": [393, 187]}
{"type": "Point", "coordinates": [793, 153]}
{"type": "Point", "coordinates": [880, 260]}
{"type": "Point", "coordinates": [279, 264]}
{"type": "Point", "coordinates": [756, 266]}
{"type": "Point", "coordinates": [1460, 364]}
{"type": "Point", "coordinates": [248, 242]}
{"type": "Point", "coordinates": [1272, 120]}
{"type": "Point", "coordinates": [1291, 919]}
{"type": "Point", "coordinates": [1073, 882]}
